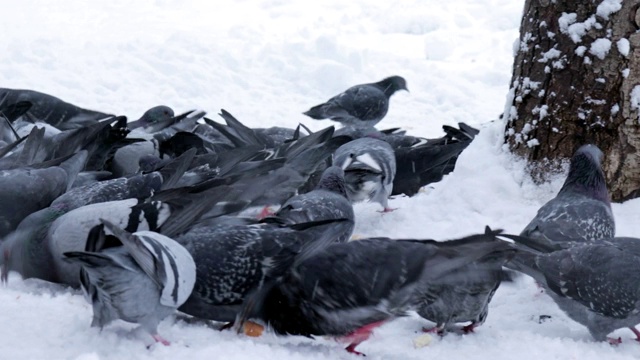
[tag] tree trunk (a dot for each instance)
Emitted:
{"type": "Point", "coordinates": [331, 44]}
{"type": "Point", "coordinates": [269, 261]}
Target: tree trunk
{"type": "Point", "coordinates": [576, 80]}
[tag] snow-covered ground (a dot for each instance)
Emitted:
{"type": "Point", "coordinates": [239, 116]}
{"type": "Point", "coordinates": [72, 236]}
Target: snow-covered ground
{"type": "Point", "coordinates": [266, 62]}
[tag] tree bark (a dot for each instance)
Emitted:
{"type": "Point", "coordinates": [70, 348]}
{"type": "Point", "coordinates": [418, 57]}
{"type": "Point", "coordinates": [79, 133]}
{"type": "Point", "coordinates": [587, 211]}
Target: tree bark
{"type": "Point", "coordinates": [576, 80]}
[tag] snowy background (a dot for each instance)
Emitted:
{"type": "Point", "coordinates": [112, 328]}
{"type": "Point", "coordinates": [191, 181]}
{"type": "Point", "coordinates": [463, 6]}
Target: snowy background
{"type": "Point", "coordinates": [266, 62]}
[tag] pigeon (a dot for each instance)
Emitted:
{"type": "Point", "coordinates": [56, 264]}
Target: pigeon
{"type": "Point", "coordinates": [446, 301]}
{"type": "Point", "coordinates": [142, 281]}
{"type": "Point", "coordinates": [370, 167]}
{"type": "Point", "coordinates": [35, 249]}
{"type": "Point", "coordinates": [233, 260]}
{"type": "Point", "coordinates": [127, 158]}
{"type": "Point", "coordinates": [52, 110]}
{"type": "Point", "coordinates": [155, 115]}
{"type": "Point", "coordinates": [27, 190]}
{"type": "Point", "coordinates": [348, 289]}
{"type": "Point", "coordinates": [329, 200]}
{"type": "Point", "coordinates": [360, 105]}
{"type": "Point", "coordinates": [594, 283]}
{"type": "Point", "coordinates": [582, 210]}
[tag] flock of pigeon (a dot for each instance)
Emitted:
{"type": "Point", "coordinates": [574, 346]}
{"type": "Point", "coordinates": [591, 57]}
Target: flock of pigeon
{"type": "Point", "coordinates": [247, 226]}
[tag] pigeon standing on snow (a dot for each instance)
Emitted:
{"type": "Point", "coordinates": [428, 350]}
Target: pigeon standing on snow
{"type": "Point", "coordinates": [360, 105]}
{"type": "Point", "coordinates": [370, 167]}
{"type": "Point", "coordinates": [143, 281]}
{"type": "Point", "coordinates": [582, 210]}
{"type": "Point", "coordinates": [328, 201]}
{"type": "Point", "coordinates": [595, 284]}
{"type": "Point", "coordinates": [348, 289]}
{"type": "Point", "coordinates": [446, 302]}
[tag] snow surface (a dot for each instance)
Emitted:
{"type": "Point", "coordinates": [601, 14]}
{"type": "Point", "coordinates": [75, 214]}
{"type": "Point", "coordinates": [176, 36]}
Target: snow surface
{"type": "Point", "coordinates": [266, 62]}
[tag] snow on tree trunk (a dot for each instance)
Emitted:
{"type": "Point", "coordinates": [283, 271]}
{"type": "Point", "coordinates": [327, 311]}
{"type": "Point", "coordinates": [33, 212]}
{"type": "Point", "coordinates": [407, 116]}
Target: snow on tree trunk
{"type": "Point", "coordinates": [576, 80]}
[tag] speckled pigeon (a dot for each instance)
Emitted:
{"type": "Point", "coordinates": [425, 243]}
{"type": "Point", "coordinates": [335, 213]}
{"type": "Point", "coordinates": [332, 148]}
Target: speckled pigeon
{"type": "Point", "coordinates": [142, 281]}
{"type": "Point", "coordinates": [370, 167]}
{"type": "Point", "coordinates": [582, 210]}
{"type": "Point", "coordinates": [594, 283]}
{"type": "Point", "coordinates": [233, 260]}
{"type": "Point", "coordinates": [348, 289]}
{"type": "Point", "coordinates": [360, 105]}
{"type": "Point", "coordinates": [446, 301]}
{"type": "Point", "coordinates": [327, 201]}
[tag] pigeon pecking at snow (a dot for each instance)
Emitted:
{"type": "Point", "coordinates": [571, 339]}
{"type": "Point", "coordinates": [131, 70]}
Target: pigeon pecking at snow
{"type": "Point", "coordinates": [595, 283]}
{"type": "Point", "coordinates": [370, 167]}
{"type": "Point", "coordinates": [348, 289]}
{"type": "Point", "coordinates": [454, 298]}
{"type": "Point", "coordinates": [582, 210]}
{"type": "Point", "coordinates": [360, 105]}
{"type": "Point", "coordinates": [142, 281]}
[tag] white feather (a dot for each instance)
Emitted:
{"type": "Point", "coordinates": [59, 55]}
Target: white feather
{"type": "Point", "coordinates": [186, 267]}
{"type": "Point", "coordinates": [369, 161]}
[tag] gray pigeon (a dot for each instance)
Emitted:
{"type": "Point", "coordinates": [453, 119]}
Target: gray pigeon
{"type": "Point", "coordinates": [453, 298]}
{"type": "Point", "coordinates": [581, 211]}
{"type": "Point", "coordinates": [52, 110]}
{"type": "Point", "coordinates": [35, 249]}
{"type": "Point", "coordinates": [360, 105]}
{"type": "Point", "coordinates": [595, 284]}
{"type": "Point", "coordinates": [27, 190]}
{"type": "Point", "coordinates": [143, 281]}
{"type": "Point", "coordinates": [370, 167]}
{"type": "Point", "coordinates": [348, 289]}
{"type": "Point", "coordinates": [326, 202]}
{"type": "Point", "coordinates": [155, 115]}
{"type": "Point", "coordinates": [233, 260]}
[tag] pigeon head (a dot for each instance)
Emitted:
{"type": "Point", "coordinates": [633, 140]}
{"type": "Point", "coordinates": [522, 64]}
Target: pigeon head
{"type": "Point", "coordinates": [586, 175]}
{"type": "Point", "coordinates": [333, 180]}
{"type": "Point", "coordinates": [157, 114]}
{"type": "Point", "coordinates": [393, 84]}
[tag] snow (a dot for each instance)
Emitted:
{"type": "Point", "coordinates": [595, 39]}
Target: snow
{"type": "Point", "coordinates": [576, 30]}
{"type": "Point", "coordinates": [623, 46]}
{"type": "Point", "coordinates": [600, 47]}
{"type": "Point", "coordinates": [635, 98]}
{"type": "Point", "coordinates": [266, 61]}
{"type": "Point", "coordinates": [580, 50]}
{"type": "Point", "coordinates": [608, 7]}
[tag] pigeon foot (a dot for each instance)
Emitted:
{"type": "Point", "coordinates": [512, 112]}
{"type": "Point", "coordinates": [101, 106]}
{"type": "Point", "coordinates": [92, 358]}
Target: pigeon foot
{"type": "Point", "coordinates": [438, 329]}
{"type": "Point", "coordinates": [614, 341]}
{"type": "Point", "coordinates": [636, 332]}
{"type": "Point", "coordinates": [360, 335]}
{"type": "Point", "coordinates": [469, 328]}
{"type": "Point", "coordinates": [160, 339]}
{"type": "Point", "coordinates": [387, 210]}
